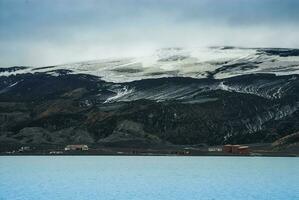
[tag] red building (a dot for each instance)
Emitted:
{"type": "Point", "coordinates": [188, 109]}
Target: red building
{"type": "Point", "coordinates": [243, 150]}
{"type": "Point", "coordinates": [227, 148]}
{"type": "Point", "coordinates": [236, 149]}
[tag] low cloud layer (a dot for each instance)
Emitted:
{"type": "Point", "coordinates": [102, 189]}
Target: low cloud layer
{"type": "Point", "coordinates": [53, 32]}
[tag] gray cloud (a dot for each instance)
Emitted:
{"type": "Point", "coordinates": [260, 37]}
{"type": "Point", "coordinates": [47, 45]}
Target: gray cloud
{"type": "Point", "coordinates": [52, 32]}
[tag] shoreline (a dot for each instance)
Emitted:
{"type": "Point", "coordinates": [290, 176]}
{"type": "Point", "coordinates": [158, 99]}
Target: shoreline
{"type": "Point", "coordinates": [166, 155]}
{"type": "Point", "coordinates": [253, 150]}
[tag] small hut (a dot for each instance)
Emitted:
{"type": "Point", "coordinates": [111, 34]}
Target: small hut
{"type": "Point", "coordinates": [227, 148]}
{"type": "Point", "coordinates": [243, 150]}
{"type": "Point", "coordinates": [236, 149]}
{"type": "Point", "coordinates": [76, 147]}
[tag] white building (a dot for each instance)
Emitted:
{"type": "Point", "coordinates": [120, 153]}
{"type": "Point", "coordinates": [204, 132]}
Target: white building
{"type": "Point", "coordinates": [214, 149]}
{"type": "Point", "coordinates": [76, 147]}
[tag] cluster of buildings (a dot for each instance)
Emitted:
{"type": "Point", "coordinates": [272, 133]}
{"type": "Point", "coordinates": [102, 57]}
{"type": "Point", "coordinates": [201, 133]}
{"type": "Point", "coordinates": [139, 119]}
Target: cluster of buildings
{"type": "Point", "coordinates": [236, 149]}
{"type": "Point", "coordinates": [227, 149]}
{"type": "Point", "coordinates": [24, 148]}
{"type": "Point", "coordinates": [233, 149]}
{"type": "Point", "coordinates": [76, 147]}
{"type": "Point", "coordinates": [213, 149]}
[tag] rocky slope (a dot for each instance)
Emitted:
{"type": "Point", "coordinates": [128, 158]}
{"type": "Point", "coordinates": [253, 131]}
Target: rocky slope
{"type": "Point", "coordinates": [59, 105]}
{"type": "Point", "coordinates": [289, 143]}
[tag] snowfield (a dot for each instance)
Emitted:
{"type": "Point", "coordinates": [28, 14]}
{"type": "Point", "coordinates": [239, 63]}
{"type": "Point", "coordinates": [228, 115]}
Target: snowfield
{"type": "Point", "coordinates": [213, 62]}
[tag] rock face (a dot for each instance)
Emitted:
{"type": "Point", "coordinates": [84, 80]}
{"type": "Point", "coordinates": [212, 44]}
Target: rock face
{"type": "Point", "coordinates": [72, 135]}
{"type": "Point", "coordinates": [131, 134]}
{"type": "Point", "coordinates": [33, 135]}
{"type": "Point", "coordinates": [56, 106]}
{"type": "Point", "coordinates": [289, 143]}
{"type": "Point", "coordinates": [11, 119]}
{"type": "Point", "coordinates": [38, 135]}
{"type": "Point", "coordinates": [7, 138]}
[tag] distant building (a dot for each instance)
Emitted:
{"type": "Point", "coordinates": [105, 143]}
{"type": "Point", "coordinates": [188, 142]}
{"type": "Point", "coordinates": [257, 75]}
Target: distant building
{"type": "Point", "coordinates": [55, 152]}
{"type": "Point", "coordinates": [26, 148]}
{"type": "Point", "coordinates": [227, 148]}
{"type": "Point", "coordinates": [244, 150]}
{"type": "Point", "coordinates": [211, 149]}
{"type": "Point", "coordinates": [76, 147]}
{"type": "Point", "coordinates": [179, 152]}
{"type": "Point", "coordinates": [236, 149]}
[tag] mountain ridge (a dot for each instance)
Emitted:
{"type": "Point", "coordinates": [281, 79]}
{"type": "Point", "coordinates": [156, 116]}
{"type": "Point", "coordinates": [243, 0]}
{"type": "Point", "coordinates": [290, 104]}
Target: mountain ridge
{"type": "Point", "coordinates": [76, 107]}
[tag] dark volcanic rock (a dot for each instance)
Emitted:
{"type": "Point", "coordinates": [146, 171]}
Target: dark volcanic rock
{"type": "Point", "coordinates": [10, 120]}
{"type": "Point", "coordinates": [72, 135]}
{"type": "Point", "coordinates": [130, 134]}
{"type": "Point", "coordinates": [37, 87]}
{"type": "Point", "coordinates": [7, 138]}
{"type": "Point", "coordinates": [12, 69]}
{"type": "Point", "coordinates": [74, 109]}
{"type": "Point", "coordinates": [33, 135]}
{"type": "Point", "coordinates": [280, 52]}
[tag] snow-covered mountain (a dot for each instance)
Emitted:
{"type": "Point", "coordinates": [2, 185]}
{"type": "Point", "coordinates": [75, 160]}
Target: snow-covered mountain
{"type": "Point", "coordinates": [181, 95]}
{"type": "Point", "coordinates": [213, 62]}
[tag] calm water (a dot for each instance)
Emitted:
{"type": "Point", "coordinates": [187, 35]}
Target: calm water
{"type": "Point", "coordinates": [148, 178]}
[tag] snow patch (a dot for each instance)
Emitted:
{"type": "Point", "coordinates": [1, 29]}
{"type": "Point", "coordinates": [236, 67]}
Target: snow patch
{"type": "Point", "coordinates": [119, 94]}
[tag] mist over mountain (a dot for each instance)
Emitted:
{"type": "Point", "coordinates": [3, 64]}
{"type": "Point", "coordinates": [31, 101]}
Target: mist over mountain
{"type": "Point", "coordinates": [39, 33]}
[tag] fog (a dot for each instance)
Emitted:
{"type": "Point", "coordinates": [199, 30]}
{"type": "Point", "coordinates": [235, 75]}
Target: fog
{"type": "Point", "coordinates": [53, 32]}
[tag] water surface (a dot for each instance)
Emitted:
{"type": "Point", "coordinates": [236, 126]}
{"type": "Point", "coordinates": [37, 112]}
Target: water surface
{"type": "Point", "coordinates": [148, 178]}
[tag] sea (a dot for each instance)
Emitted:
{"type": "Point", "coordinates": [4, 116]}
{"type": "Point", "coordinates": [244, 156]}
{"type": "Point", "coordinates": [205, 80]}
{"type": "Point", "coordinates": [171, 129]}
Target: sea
{"type": "Point", "coordinates": [148, 178]}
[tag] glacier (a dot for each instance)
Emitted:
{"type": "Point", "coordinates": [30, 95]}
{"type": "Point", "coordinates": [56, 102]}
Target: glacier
{"type": "Point", "coordinates": [211, 62]}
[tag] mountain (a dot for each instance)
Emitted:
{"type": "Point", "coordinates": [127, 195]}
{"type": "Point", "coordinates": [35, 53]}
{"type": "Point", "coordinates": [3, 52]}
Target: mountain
{"type": "Point", "coordinates": [180, 96]}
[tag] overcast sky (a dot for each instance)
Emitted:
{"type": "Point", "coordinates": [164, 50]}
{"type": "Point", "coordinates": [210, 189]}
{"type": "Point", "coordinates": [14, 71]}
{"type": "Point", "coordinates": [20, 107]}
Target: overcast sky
{"type": "Point", "coordinates": [48, 32]}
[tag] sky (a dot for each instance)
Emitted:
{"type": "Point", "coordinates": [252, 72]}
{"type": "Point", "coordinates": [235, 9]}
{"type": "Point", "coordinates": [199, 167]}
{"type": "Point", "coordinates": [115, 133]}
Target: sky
{"type": "Point", "coordinates": [49, 32]}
